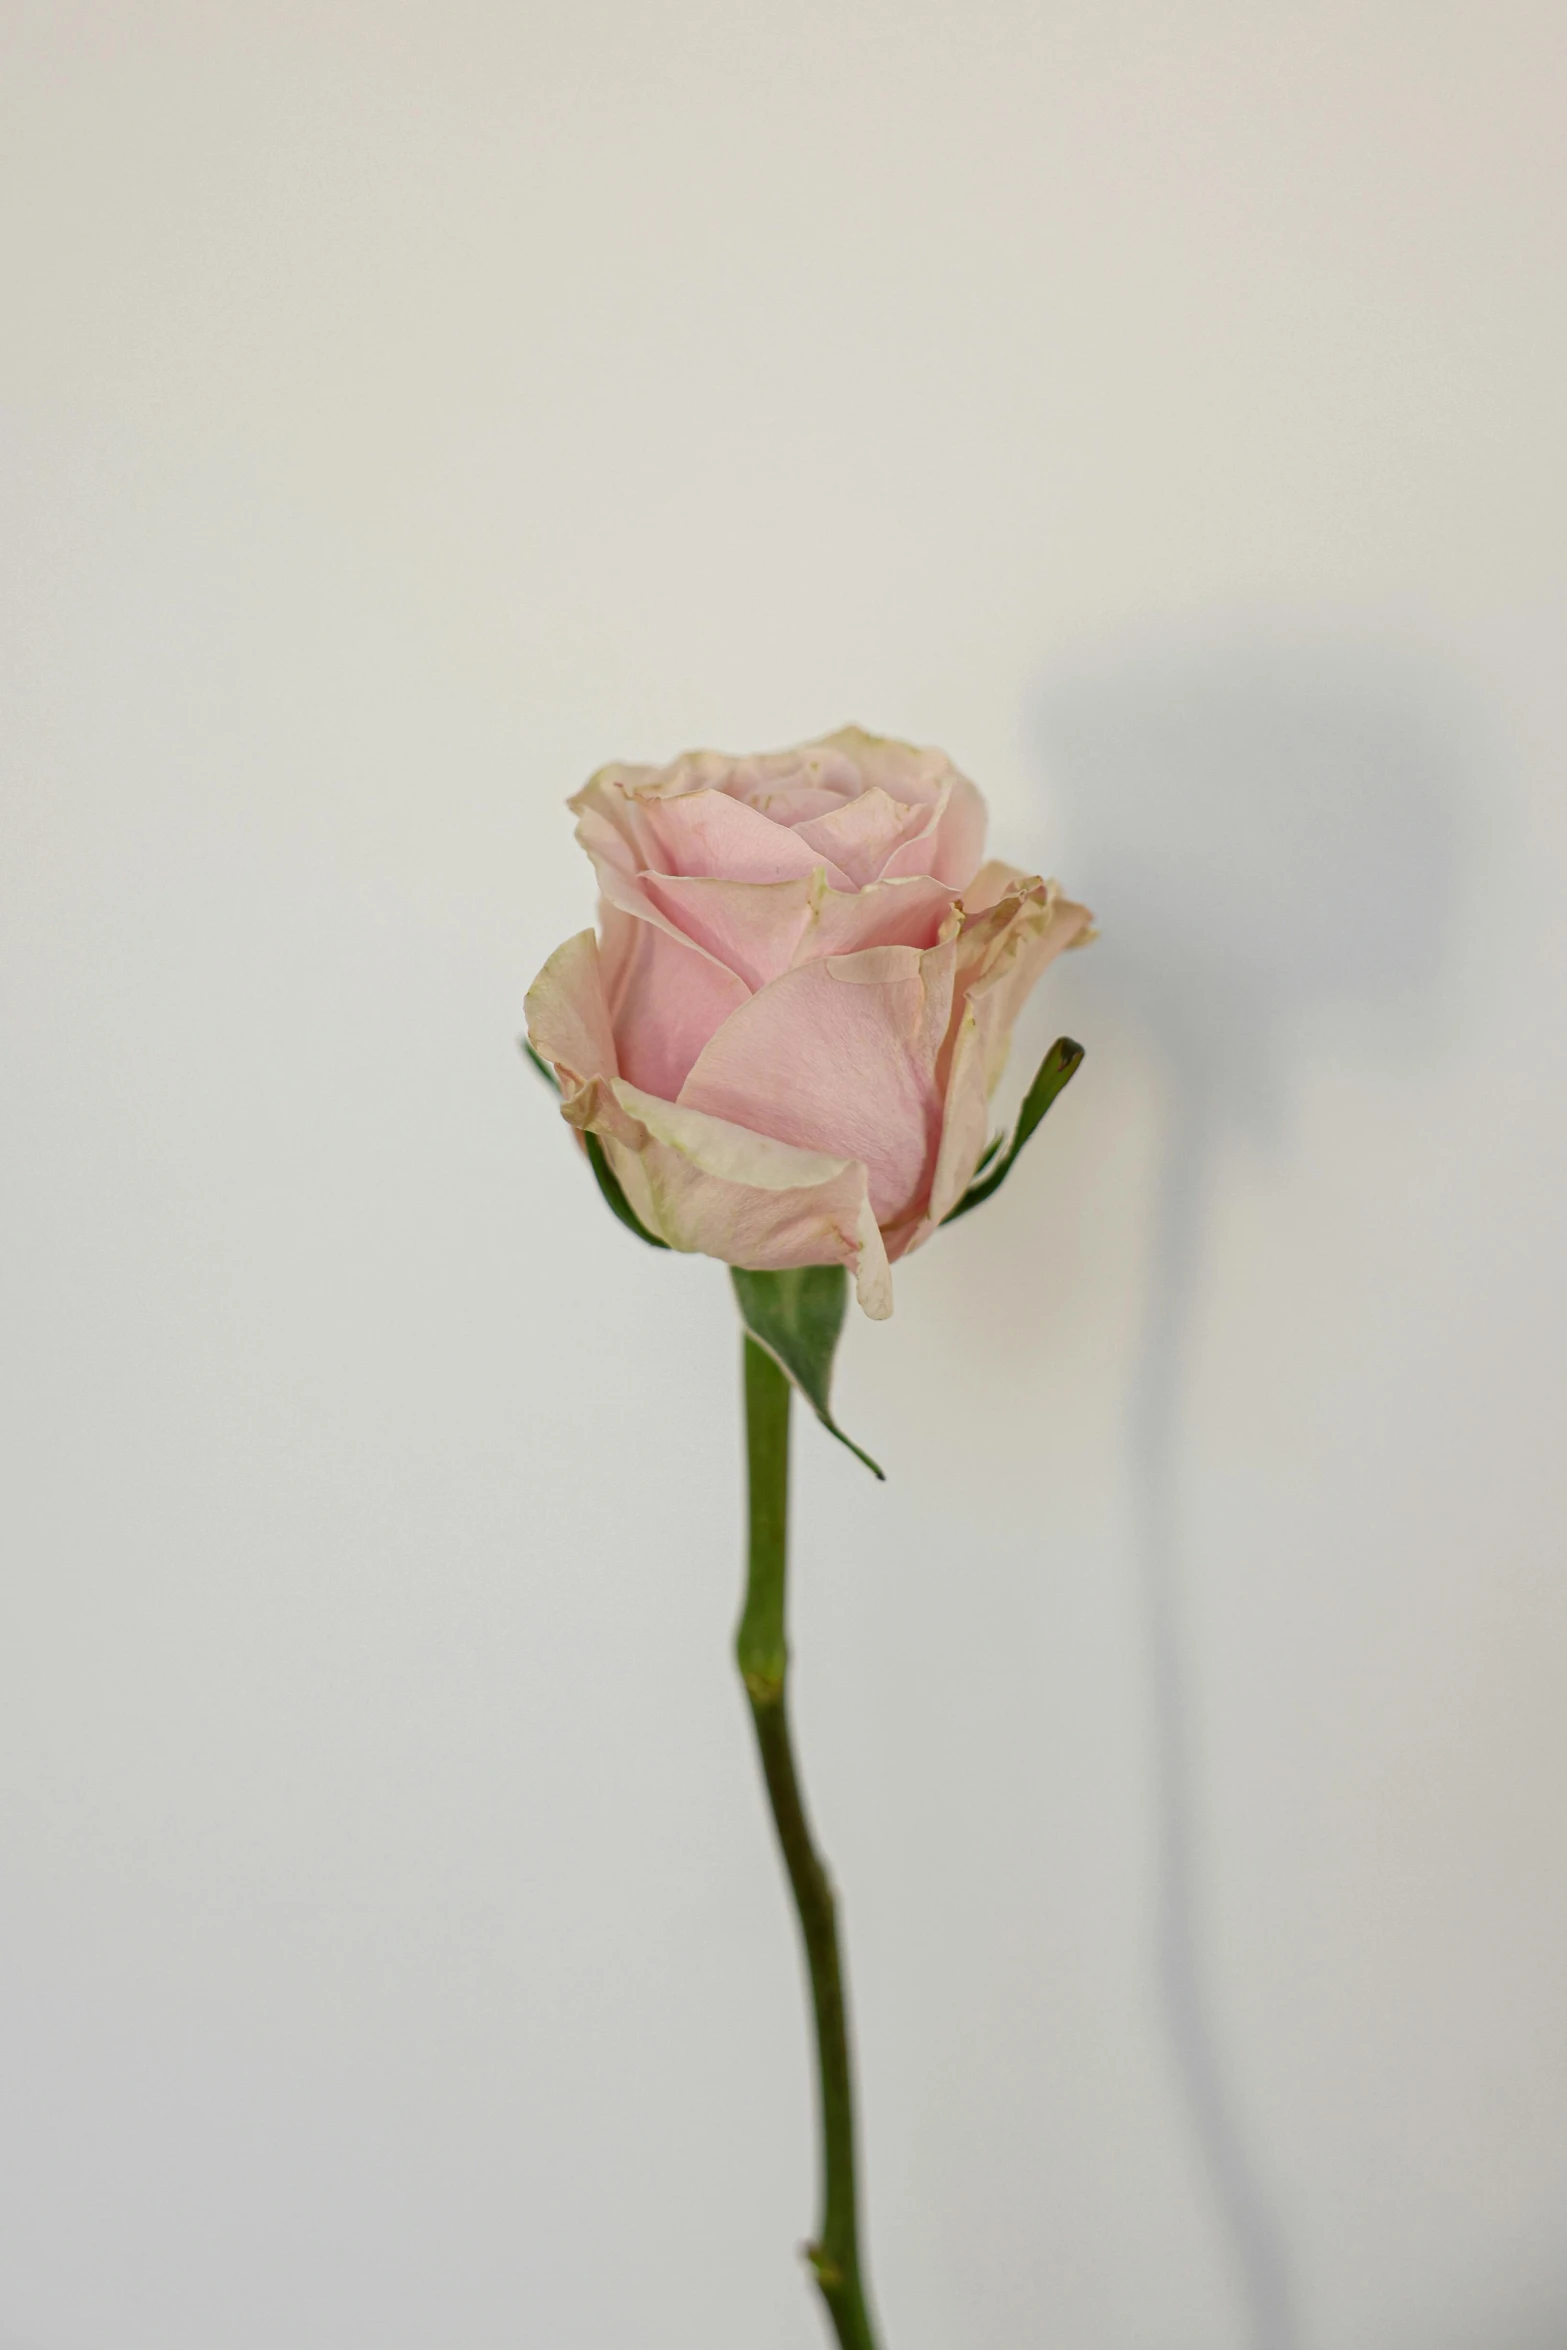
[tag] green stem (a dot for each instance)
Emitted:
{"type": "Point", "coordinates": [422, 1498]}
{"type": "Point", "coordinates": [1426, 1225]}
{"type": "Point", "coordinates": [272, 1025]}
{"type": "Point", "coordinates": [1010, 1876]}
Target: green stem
{"type": "Point", "coordinates": [761, 1647]}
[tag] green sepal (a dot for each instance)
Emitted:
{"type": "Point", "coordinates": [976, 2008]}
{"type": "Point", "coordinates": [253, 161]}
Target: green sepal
{"type": "Point", "coordinates": [798, 1317]}
{"type": "Point", "coordinates": [542, 1066]}
{"type": "Point", "coordinates": [608, 1181]}
{"type": "Point", "coordinates": [1056, 1071]}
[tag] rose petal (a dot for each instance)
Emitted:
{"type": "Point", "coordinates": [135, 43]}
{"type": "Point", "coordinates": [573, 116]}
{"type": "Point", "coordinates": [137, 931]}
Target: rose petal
{"type": "Point", "coordinates": [707, 832]}
{"type": "Point", "coordinates": [635, 818]}
{"type": "Point", "coordinates": [904, 771]}
{"type": "Point", "coordinates": [752, 927]}
{"type": "Point", "coordinates": [756, 779]}
{"type": "Point", "coordinates": [860, 837]}
{"type": "Point", "coordinates": [608, 845]}
{"type": "Point", "coordinates": [718, 921]}
{"type": "Point", "coordinates": [567, 1017]}
{"type": "Point", "coordinates": [610, 822]}
{"type": "Point", "coordinates": [952, 840]}
{"type": "Point", "coordinates": [991, 883]}
{"type": "Point", "coordinates": [800, 803]}
{"type": "Point", "coordinates": [889, 913]}
{"type": "Point", "coordinates": [840, 1055]}
{"type": "Point", "coordinates": [760, 928]}
{"type": "Point", "coordinates": [781, 783]}
{"type": "Point", "coordinates": [965, 1120]}
{"type": "Point", "coordinates": [705, 1185]}
{"type": "Point", "coordinates": [1000, 953]}
{"type": "Point", "coordinates": [665, 998]}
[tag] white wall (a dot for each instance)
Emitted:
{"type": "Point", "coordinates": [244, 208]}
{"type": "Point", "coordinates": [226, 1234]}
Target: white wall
{"type": "Point", "coordinates": [405, 409]}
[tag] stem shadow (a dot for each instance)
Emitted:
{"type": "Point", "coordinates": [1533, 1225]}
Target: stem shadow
{"type": "Point", "coordinates": [1268, 839]}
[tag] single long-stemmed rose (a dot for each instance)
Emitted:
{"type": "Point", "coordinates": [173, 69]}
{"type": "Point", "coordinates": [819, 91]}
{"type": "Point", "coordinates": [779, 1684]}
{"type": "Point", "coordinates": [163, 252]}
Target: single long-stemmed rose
{"type": "Point", "coordinates": [780, 1050]}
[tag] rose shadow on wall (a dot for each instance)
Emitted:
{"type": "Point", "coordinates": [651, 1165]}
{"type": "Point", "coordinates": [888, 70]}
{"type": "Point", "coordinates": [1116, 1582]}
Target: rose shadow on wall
{"type": "Point", "coordinates": [1269, 840]}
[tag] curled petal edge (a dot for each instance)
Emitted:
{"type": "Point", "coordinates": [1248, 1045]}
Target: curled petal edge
{"type": "Point", "coordinates": [568, 1019]}
{"type": "Point", "coordinates": [1001, 953]}
{"type": "Point", "coordinates": [705, 1186]}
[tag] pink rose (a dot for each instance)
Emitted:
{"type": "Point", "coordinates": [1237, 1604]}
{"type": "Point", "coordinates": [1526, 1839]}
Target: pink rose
{"type": "Point", "coordinates": [787, 1035]}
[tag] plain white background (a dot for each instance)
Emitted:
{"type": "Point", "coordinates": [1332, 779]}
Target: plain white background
{"type": "Point", "coordinates": [407, 408]}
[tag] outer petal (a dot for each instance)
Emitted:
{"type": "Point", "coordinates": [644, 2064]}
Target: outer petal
{"type": "Point", "coordinates": [991, 883]}
{"type": "Point", "coordinates": [568, 1019]}
{"type": "Point", "coordinates": [610, 822]}
{"type": "Point", "coordinates": [1000, 954]}
{"type": "Point", "coordinates": [721, 1190]}
{"type": "Point", "coordinates": [964, 1123]}
{"type": "Point", "coordinates": [841, 1055]}
{"type": "Point", "coordinates": [664, 996]}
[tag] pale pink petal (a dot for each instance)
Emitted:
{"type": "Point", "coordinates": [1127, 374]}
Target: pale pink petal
{"type": "Point", "coordinates": [610, 822]}
{"type": "Point", "coordinates": [779, 782]}
{"type": "Point", "coordinates": [707, 832]}
{"type": "Point", "coordinates": [960, 834]}
{"type": "Point", "coordinates": [990, 885]}
{"type": "Point", "coordinates": [666, 998]}
{"type": "Point", "coordinates": [904, 771]}
{"type": "Point", "coordinates": [965, 1123]}
{"type": "Point", "coordinates": [760, 928]}
{"type": "Point", "coordinates": [909, 913]}
{"type": "Point", "coordinates": [652, 992]}
{"type": "Point", "coordinates": [568, 1019]}
{"type": "Point", "coordinates": [797, 803]}
{"type": "Point", "coordinates": [753, 779]}
{"type": "Point", "coordinates": [707, 1186]}
{"type": "Point", "coordinates": [861, 836]}
{"type": "Point", "coordinates": [620, 777]}
{"type": "Point", "coordinates": [1000, 953]}
{"type": "Point", "coordinates": [691, 771]}
{"type": "Point", "coordinates": [684, 819]}
{"type": "Point", "coordinates": [609, 843]}
{"type": "Point", "coordinates": [840, 1056]}
{"type": "Point", "coordinates": [952, 840]}
{"type": "Point", "coordinates": [979, 1043]}
{"type": "Point", "coordinates": [657, 898]}
{"type": "Point", "coordinates": [753, 927]}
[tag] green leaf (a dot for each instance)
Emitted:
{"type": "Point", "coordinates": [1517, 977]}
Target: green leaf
{"type": "Point", "coordinates": [798, 1317]}
{"type": "Point", "coordinates": [608, 1180]}
{"type": "Point", "coordinates": [1056, 1071]}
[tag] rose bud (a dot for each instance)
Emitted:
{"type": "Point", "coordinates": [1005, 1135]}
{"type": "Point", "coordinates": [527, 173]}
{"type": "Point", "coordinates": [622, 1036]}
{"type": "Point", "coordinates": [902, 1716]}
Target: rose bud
{"type": "Point", "coordinates": [787, 1033]}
